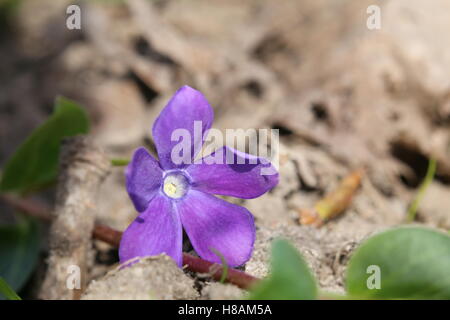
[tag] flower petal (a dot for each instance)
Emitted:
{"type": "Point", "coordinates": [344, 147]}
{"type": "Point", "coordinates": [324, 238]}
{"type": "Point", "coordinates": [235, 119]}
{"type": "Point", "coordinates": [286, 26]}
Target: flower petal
{"type": "Point", "coordinates": [185, 107]}
{"type": "Point", "coordinates": [214, 223]}
{"type": "Point", "coordinates": [157, 230]}
{"type": "Point", "coordinates": [144, 177]}
{"type": "Point", "coordinates": [243, 175]}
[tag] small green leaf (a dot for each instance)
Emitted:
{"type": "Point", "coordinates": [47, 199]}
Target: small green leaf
{"type": "Point", "coordinates": [19, 251]}
{"type": "Point", "coordinates": [410, 262]}
{"type": "Point", "coordinates": [422, 189]}
{"type": "Point", "coordinates": [290, 277]}
{"type": "Point", "coordinates": [7, 291]}
{"type": "Point", "coordinates": [35, 163]}
{"type": "Point", "coordinates": [119, 162]}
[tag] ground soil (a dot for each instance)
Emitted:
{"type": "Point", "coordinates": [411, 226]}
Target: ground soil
{"type": "Point", "coordinates": [343, 97]}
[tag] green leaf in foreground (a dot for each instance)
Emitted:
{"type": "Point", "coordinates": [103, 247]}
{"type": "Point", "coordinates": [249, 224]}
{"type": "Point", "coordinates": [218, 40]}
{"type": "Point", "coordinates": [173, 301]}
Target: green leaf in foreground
{"type": "Point", "coordinates": [412, 262]}
{"type": "Point", "coordinates": [7, 291]}
{"type": "Point", "coordinates": [19, 251]}
{"type": "Point", "coordinates": [290, 277]}
{"type": "Point", "coordinates": [35, 163]}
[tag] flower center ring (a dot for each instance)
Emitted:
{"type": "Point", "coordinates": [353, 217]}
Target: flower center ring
{"type": "Point", "coordinates": [175, 185]}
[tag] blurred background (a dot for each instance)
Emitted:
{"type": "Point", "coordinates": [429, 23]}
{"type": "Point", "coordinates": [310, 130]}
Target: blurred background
{"type": "Point", "coordinates": [343, 95]}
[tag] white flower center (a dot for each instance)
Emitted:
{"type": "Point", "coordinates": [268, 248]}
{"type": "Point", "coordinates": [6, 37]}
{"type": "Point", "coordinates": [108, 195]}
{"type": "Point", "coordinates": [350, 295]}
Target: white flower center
{"type": "Point", "coordinates": [175, 185]}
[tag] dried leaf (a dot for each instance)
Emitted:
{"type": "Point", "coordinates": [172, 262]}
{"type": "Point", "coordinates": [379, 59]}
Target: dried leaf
{"type": "Point", "coordinates": [334, 203]}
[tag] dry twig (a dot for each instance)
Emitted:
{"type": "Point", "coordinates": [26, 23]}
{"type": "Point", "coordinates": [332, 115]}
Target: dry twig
{"type": "Point", "coordinates": [334, 203]}
{"type": "Point", "coordinates": [82, 169]}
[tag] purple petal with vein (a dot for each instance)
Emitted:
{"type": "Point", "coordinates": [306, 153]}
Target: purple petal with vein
{"type": "Point", "coordinates": [144, 178]}
{"type": "Point", "coordinates": [185, 107]}
{"type": "Point", "coordinates": [157, 230]}
{"type": "Point", "coordinates": [214, 223]}
{"type": "Point", "coordinates": [243, 176]}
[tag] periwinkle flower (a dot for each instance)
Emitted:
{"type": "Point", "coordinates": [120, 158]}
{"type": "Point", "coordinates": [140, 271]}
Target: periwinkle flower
{"type": "Point", "coordinates": [170, 196]}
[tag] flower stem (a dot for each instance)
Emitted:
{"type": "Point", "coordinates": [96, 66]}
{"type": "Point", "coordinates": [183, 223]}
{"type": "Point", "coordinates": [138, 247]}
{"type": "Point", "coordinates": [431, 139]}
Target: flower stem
{"type": "Point", "coordinates": [224, 265]}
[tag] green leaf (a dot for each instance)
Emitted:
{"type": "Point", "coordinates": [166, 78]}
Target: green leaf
{"type": "Point", "coordinates": [7, 291]}
{"type": "Point", "coordinates": [19, 251]}
{"type": "Point", "coordinates": [290, 277]}
{"type": "Point", "coordinates": [35, 163]}
{"type": "Point", "coordinates": [412, 263]}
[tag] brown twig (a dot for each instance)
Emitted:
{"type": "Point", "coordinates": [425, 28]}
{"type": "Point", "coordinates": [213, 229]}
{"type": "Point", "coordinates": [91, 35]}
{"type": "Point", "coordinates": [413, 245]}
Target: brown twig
{"type": "Point", "coordinates": [82, 170]}
{"type": "Point", "coordinates": [334, 203]}
{"type": "Point", "coordinates": [112, 237]}
{"type": "Point", "coordinates": [31, 207]}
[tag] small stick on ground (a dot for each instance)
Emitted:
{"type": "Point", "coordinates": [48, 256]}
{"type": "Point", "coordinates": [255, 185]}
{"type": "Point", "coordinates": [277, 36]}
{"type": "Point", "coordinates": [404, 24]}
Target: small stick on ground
{"type": "Point", "coordinates": [334, 203]}
{"type": "Point", "coordinates": [82, 169]}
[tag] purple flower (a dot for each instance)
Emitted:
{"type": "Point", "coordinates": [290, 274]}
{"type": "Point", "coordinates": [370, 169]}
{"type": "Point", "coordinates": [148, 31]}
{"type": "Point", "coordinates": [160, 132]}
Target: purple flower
{"type": "Point", "coordinates": [171, 196]}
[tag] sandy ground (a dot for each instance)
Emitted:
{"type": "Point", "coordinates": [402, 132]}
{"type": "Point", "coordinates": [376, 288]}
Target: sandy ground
{"type": "Point", "coordinates": [344, 97]}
